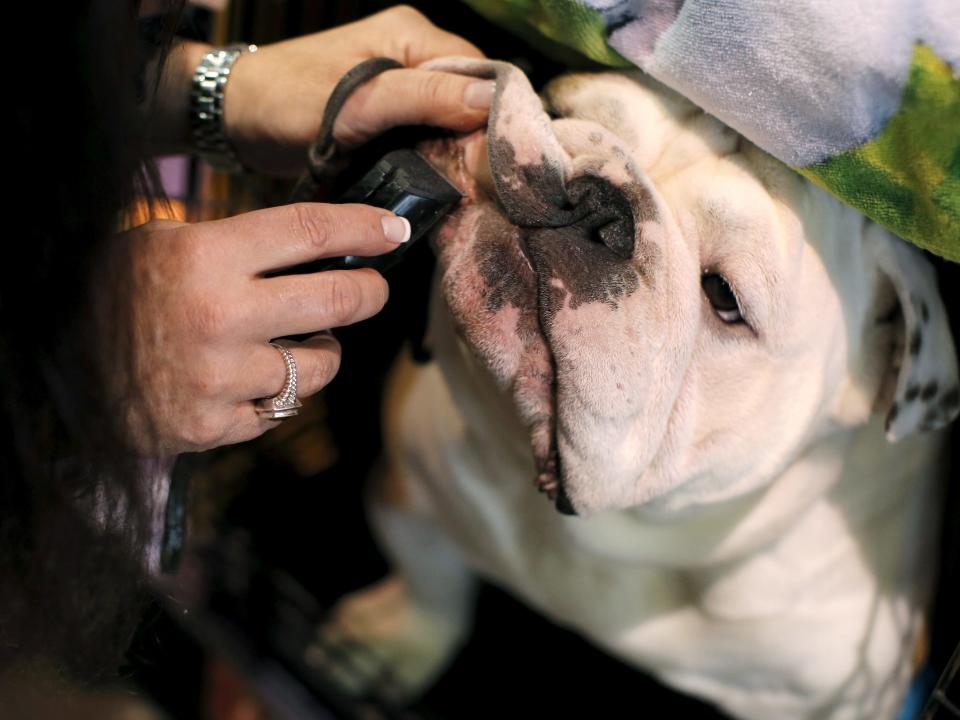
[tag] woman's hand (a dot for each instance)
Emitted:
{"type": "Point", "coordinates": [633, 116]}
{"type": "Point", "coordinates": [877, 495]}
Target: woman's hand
{"type": "Point", "coordinates": [194, 312]}
{"type": "Point", "coordinates": [275, 99]}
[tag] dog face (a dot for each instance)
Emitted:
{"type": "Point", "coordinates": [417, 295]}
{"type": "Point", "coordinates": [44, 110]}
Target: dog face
{"type": "Point", "coordinates": [674, 313]}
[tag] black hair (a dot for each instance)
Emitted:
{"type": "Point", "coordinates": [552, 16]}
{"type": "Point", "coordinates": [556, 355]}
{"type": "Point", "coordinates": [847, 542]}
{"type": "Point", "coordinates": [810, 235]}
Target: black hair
{"type": "Point", "coordinates": [73, 505]}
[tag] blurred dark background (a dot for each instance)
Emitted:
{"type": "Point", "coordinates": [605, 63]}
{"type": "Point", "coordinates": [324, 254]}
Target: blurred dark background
{"type": "Point", "coordinates": [296, 494]}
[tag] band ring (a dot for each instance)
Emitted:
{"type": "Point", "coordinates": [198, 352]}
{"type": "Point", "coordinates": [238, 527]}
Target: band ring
{"type": "Point", "coordinates": [285, 403]}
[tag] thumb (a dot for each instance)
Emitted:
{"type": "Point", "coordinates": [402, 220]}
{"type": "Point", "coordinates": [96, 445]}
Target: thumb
{"type": "Point", "coordinates": [413, 97]}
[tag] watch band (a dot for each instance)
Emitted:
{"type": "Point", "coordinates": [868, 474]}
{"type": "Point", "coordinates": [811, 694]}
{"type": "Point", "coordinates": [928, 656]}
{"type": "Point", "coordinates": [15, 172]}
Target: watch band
{"type": "Point", "coordinates": [206, 107]}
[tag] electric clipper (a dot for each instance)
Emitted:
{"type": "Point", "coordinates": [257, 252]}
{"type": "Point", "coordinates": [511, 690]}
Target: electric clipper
{"type": "Point", "coordinates": [409, 186]}
{"type": "Point", "coordinates": [402, 181]}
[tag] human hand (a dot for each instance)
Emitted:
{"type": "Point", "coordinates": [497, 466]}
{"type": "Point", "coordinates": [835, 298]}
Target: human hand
{"type": "Point", "coordinates": [187, 315]}
{"type": "Point", "coordinates": [276, 97]}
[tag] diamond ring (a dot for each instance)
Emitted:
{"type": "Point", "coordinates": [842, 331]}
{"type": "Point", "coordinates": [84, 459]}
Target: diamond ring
{"type": "Point", "coordinates": [285, 403]}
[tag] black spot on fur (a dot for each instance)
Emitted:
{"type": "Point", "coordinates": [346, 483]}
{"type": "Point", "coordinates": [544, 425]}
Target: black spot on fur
{"type": "Point", "coordinates": [929, 390]}
{"type": "Point", "coordinates": [507, 279]}
{"type": "Point", "coordinates": [890, 315]}
{"type": "Point", "coordinates": [916, 341]}
{"type": "Point", "coordinates": [498, 262]}
{"type": "Point", "coordinates": [911, 394]}
{"type": "Point", "coordinates": [529, 194]}
{"type": "Point", "coordinates": [588, 270]}
{"type": "Point", "coordinates": [924, 311]}
{"type": "Point", "coordinates": [950, 400]}
{"type": "Point", "coordinates": [892, 415]}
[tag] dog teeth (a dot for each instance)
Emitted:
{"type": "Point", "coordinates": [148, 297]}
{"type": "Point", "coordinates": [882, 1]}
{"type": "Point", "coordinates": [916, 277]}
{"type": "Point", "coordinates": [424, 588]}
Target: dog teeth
{"type": "Point", "coordinates": [547, 484]}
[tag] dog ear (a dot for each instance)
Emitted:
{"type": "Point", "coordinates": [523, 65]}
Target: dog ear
{"type": "Point", "coordinates": [926, 395]}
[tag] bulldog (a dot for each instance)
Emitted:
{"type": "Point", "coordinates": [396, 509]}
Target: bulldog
{"type": "Point", "coordinates": [725, 385]}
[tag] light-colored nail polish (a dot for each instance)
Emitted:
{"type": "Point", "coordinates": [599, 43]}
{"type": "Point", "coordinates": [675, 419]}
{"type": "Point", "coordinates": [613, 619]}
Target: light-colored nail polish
{"type": "Point", "coordinates": [479, 95]}
{"type": "Point", "coordinates": [395, 228]}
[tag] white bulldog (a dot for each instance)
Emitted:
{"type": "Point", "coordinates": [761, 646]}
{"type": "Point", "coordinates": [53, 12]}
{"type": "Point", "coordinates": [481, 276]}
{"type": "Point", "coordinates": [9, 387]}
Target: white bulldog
{"type": "Point", "coordinates": [720, 370]}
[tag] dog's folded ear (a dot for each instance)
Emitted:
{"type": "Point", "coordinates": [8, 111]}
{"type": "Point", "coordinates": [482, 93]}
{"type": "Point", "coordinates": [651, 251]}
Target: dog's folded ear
{"type": "Point", "coordinates": [529, 166]}
{"type": "Point", "coordinates": [926, 395]}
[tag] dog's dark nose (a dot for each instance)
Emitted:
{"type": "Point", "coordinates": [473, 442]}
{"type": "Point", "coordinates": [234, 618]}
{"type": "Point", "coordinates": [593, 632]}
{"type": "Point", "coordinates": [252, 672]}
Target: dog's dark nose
{"type": "Point", "coordinates": [602, 213]}
{"type": "Point", "coordinates": [563, 504]}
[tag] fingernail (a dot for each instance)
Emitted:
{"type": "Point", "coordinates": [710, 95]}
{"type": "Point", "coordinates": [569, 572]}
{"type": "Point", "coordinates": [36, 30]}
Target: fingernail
{"type": "Point", "coordinates": [479, 95]}
{"type": "Point", "coordinates": [395, 228]}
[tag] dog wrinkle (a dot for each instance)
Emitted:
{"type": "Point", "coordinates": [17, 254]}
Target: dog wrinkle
{"type": "Point", "coordinates": [916, 342]}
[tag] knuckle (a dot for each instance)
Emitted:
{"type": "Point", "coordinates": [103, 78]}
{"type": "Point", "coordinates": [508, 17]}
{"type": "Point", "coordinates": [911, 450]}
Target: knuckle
{"type": "Point", "coordinates": [377, 289]}
{"type": "Point", "coordinates": [408, 13]}
{"type": "Point", "coordinates": [332, 365]}
{"type": "Point", "coordinates": [383, 293]}
{"type": "Point", "coordinates": [311, 225]}
{"type": "Point", "coordinates": [436, 89]}
{"type": "Point", "coordinates": [343, 298]}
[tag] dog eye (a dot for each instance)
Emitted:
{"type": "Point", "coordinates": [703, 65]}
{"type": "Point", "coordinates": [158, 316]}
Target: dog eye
{"type": "Point", "coordinates": [722, 297]}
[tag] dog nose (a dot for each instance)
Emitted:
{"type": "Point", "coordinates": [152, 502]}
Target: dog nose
{"type": "Point", "coordinates": [562, 503]}
{"type": "Point", "coordinates": [602, 212]}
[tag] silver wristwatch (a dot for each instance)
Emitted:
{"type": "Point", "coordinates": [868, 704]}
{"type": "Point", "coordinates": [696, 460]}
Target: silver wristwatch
{"type": "Point", "coordinates": [206, 107]}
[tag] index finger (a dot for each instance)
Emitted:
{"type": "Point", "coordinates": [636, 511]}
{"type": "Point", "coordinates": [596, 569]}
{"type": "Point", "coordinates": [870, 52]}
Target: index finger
{"type": "Point", "coordinates": [281, 237]}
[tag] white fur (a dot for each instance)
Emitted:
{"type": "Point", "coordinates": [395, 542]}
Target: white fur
{"type": "Point", "coordinates": [748, 534]}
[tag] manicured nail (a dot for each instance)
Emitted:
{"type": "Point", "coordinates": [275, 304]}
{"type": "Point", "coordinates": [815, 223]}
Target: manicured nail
{"type": "Point", "coordinates": [479, 95]}
{"type": "Point", "coordinates": [395, 228]}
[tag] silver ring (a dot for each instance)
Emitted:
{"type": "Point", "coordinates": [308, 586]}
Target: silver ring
{"type": "Point", "coordinates": [285, 403]}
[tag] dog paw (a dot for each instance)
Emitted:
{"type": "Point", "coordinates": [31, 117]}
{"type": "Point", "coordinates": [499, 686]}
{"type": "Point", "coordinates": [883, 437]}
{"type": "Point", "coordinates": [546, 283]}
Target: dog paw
{"type": "Point", "coordinates": [377, 641]}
